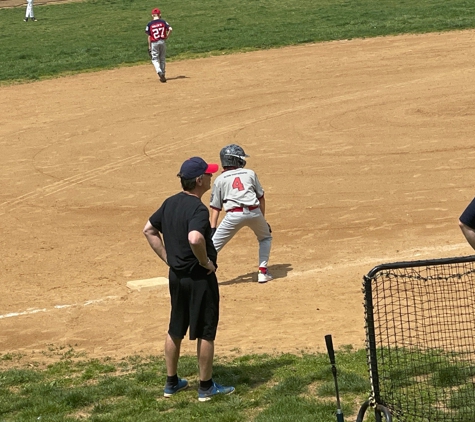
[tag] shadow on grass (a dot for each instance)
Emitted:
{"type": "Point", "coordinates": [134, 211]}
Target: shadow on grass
{"type": "Point", "coordinates": [248, 372]}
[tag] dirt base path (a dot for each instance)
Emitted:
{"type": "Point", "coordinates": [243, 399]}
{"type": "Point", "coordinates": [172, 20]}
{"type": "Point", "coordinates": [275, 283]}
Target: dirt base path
{"type": "Point", "coordinates": [364, 147]}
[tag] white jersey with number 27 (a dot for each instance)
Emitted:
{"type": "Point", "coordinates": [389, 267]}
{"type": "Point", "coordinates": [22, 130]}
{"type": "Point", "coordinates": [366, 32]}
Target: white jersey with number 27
{"type": "Point", "coordinates": [236, 188]}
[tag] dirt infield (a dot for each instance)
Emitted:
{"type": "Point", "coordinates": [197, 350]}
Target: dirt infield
{"type": "Point", "coordinates": [364, 148]}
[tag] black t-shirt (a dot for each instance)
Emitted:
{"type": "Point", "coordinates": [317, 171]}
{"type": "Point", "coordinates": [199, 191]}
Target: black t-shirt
{"type": "Point", "coordinates": [179, 215]}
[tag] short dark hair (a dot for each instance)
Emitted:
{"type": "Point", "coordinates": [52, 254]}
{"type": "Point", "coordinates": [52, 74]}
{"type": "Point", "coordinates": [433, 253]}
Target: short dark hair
{"type": "Point", "coordinates": [187, 184]}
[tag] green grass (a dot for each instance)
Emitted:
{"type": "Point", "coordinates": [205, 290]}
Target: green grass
{"type": "Point", "coordinates": [428, 384]}
{"type": "Point", "coordinates": [101, 34]}
{"type": "Point", "coordinates": [425, 385]}
{"type": "Point", "coordinates": [268, 388]}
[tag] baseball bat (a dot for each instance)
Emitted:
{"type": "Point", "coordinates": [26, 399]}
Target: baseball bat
{"type": "Point", "coordinates": [331, 355]}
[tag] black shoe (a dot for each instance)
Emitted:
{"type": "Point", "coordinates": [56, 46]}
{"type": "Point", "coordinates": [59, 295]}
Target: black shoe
{"type": "Point", "coordinates": [25, 20]}
{"type": "Point", "coordinates": [162, 77]}
{"type": "Point", "coordinates": [33, 19]}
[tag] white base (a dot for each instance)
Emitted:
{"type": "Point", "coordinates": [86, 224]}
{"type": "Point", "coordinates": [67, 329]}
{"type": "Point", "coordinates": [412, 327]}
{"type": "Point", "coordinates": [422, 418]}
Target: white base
{"type": "Point", "coordinates": [147, 284]}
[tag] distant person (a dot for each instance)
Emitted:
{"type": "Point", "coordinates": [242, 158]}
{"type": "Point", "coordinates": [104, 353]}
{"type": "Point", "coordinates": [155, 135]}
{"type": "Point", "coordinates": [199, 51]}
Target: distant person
{"type": "Point", "coordinates": [467, 223]}
{"type": "Point", "coordinates": [158, 30]}
{"type": "Point", "coordinates": [238, 191]}
{"type": "Point", "coordinates": [187, 249]}
{"type": "Point", "coordinates": [29, 11]}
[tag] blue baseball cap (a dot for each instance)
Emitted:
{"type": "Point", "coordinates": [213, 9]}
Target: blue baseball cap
{"type": "Point", "coordinates": [196, 166]}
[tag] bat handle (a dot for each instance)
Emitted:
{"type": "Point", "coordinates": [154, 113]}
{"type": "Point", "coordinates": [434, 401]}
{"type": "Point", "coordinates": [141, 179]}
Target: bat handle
{"type": "Point", "coordinates": [331, 351]}
{"type": "Point", "coordinates": [339, 416]}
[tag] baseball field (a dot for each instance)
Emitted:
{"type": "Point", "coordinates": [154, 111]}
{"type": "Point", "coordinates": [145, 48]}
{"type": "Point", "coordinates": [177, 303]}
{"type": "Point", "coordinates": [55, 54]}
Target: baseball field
{"type": "Point", "coordinates": [364, 148]}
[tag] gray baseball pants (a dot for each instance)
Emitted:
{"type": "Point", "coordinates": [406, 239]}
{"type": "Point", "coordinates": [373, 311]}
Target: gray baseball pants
{"type": "Point", "coordinates": [235, 221]}
{"type": "Point", "coordinates": [159, 50]}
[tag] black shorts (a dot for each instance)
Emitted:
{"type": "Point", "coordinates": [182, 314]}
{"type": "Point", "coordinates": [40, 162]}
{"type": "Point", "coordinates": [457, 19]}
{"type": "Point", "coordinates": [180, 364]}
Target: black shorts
{"type": "Point", "coordinates": [194, 304]}
{"type": "Point", "coordinates": [468, 216]}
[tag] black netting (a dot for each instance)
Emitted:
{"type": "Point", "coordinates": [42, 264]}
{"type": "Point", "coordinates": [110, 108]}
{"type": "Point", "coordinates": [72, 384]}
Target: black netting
{"type": "Point", "coordinates": [420, 323]}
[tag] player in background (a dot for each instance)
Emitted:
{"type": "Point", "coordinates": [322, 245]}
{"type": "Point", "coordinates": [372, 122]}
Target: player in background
{"type": "Point", "coordinates": [237, 190]}
{"type": "Point", "coordinates": [29, 14]}
{"type": "Point", "coordinates": [158, 30]}
{"type": "Point", "coordinates": [467, 223]}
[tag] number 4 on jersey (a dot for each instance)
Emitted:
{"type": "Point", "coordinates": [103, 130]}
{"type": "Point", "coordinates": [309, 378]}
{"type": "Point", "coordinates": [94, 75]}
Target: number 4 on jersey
{"type": "Point", "coordinates": [237, 184]}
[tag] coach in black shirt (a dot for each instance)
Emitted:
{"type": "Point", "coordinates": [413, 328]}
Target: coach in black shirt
{"type": "Point", "coordinates": [180, 234]}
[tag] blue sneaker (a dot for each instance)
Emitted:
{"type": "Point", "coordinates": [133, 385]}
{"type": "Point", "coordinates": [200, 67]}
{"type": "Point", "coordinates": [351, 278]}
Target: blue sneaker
{"type": "Point", "coordinates": [205, 395]}
{"type": "Point", "coordinates": [172, 389]}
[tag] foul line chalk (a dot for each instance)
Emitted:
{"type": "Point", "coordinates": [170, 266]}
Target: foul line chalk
{"type": "Point", "coordinates": [35, 311]}
{"type": "Point", "coordinates": [145, 284]}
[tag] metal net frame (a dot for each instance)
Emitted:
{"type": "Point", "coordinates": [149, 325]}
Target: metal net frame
{"type": "Point", "coordinates": [420, 339]}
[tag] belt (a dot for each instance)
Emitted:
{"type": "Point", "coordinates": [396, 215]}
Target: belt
{"type": "Point", "coordinates": [239, 209]}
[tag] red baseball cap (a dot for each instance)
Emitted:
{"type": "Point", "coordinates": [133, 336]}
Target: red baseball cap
{"type": "Point", "coordinates": [155, 11]}
{"type": "Point", "coordinates": [196, 166]}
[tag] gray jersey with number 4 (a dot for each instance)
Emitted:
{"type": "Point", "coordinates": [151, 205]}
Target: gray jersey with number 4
{"type": "Point", "coordinates": [236, 188]}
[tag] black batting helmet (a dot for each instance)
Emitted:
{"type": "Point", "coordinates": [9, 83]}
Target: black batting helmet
{"type": "Point", "coordinates": [233, 156]}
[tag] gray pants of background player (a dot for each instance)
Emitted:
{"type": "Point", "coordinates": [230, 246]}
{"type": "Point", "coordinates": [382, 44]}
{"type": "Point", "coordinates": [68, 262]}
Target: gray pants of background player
{"type": "Point", "coordinates": [158, 50]}
{"type": "Point", "coordinates": [234, 221]}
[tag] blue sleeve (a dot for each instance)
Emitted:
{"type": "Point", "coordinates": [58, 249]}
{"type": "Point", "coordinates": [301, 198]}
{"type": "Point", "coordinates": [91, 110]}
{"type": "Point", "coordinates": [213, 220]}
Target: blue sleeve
{"type": "Point", "coordinates": [468, 216]}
